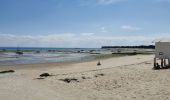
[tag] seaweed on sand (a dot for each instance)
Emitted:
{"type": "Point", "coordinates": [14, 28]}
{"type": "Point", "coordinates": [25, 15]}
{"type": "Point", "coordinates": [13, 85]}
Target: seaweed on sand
{"type": "Point", "coordinates": [45, 75]}
{"type": "Point", "coordinates": [7, 71]}
{"type": "Point", "coordinates": [68, 80]}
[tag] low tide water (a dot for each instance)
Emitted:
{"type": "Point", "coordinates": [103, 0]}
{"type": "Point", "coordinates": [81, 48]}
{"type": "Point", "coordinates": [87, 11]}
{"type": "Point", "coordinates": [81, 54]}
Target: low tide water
{"type": "Point", "coordinates": [45, 55]}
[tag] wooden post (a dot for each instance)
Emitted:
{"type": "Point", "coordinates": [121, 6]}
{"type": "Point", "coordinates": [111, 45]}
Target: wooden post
{"type": "Point", "coordinates": [161, 62]}
{"type": "Point", "coordinates": [164, 63]}
{"type": "Point", "coordinates": [154, 62]}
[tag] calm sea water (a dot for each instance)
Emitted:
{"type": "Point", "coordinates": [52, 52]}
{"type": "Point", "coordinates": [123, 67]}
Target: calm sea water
{"type": "Point", "coordinates": [44, 55]}
{"type": "Point", "coordinates": [46, 49]}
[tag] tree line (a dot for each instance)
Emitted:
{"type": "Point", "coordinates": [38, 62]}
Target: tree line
{"type": "Point", "coordinates": [140, 46]}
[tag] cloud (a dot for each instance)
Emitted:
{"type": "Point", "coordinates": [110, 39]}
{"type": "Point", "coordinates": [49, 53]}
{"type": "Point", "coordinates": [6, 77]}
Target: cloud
{"type": "Point", "coordinates": [107, 2]}
{"type": "Point", "coordinates": [72, 40]}
{"type": "Point", "coordinates": [87, 34]}
{"type": "Point", "coordinates": [36, 40]}
{"type": "Point", "coordinates": [98, 2]}
{"type": "Point", "coordinates": [103, 29]}
{"type": "Point", "coordinates": [130, 28]}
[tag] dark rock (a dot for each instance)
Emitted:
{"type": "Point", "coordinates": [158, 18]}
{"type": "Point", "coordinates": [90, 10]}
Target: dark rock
{"type": "Point", "coordinates": [45, 75]}
{"type": "Point", "coordinates": [83, 77]}
{"type": "Point", "coordinates": [7, 71]}
{"type": "Point", "coordinates": [97, 75]}
{"type": "Point", "coordinates": [101, 74]}
{"type": "Point", "coordinates": [98, 64]}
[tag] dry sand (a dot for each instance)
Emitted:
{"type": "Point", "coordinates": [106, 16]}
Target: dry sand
{"type": "Point", "coordinates": [121, 78]}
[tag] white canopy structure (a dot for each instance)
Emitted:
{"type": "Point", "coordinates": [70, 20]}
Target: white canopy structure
{"type": "Point", "coordinates": [162, 51]}
{"type": "Point", "coordinates": [167, 39]}
{"type": "Point", "coordinates": [162, 48]}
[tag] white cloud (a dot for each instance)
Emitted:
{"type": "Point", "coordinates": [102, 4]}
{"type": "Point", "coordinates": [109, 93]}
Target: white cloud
{"type": "Point", "coordinates": [98, 2]}
{"type": "Point", "coordinates": [35, 40]}
{"type": "Point", "coordinates": [107, 2]}
{"type": "Point", "coordinates": [87, 34]}
{"type": "Point", "coordinates": [72, 40]}
{"type": "Point", "coordinates": [103, 29]}
{"type": "Point", "coordinates": [130, 28]}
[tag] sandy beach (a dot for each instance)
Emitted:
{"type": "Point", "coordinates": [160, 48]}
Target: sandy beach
{"type": "Point", "coordinates": [119, 78]}
{"type": "Point", "coordinates": [84, 50]}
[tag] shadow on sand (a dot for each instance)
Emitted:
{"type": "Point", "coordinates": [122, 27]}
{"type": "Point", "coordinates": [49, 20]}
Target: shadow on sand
{"type": "Point", "coordinates": [158, 67]}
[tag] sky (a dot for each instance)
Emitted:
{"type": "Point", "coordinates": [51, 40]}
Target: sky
{"type": "Point", "coordinates": [82, 23]}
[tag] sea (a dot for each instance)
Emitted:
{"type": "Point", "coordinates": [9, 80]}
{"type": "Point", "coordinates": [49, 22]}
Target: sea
{"type": "Point", "coordinates": [32, 55]}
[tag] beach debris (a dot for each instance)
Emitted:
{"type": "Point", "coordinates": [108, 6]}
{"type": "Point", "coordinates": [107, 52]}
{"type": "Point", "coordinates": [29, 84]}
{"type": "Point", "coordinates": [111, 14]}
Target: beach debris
{"type": "Point", "coordinates": [68, 80]}
{"type": "Point", "coordinates": [7, 71]}
{"type": "Point", "coordinates": [101, 74]}
{"type": "Point", "coordinates": [97, 75]}
{"type": "Point", "coordinates": [40, 78]}
{"type": "Point", "coordinates": [98, 64]}
{"type": "Point", "coordinates": [83, 77]}
{"type": "Point", "coordinates": [45, 75]}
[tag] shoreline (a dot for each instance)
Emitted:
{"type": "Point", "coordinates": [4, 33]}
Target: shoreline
{"type": "Point", "coordinates": [79, 55]}
{"type": "Point", "coordinates": [60, 64]}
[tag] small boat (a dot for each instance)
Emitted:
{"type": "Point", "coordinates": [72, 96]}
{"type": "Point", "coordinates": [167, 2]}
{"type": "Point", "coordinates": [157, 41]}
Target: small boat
{"type": "Point", "coordinates": [19, 52]}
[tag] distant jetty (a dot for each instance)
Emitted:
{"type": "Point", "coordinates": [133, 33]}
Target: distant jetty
{"type": "Point", "coordinates": [141, 46]}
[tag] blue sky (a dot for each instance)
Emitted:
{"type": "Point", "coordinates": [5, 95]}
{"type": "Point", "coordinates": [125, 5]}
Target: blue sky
{"type": "Point", "coordinates": [82, 23]}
